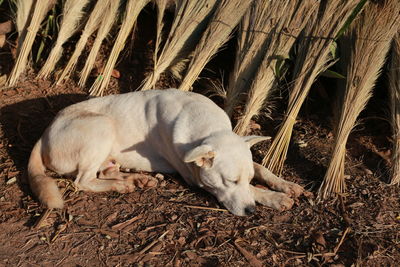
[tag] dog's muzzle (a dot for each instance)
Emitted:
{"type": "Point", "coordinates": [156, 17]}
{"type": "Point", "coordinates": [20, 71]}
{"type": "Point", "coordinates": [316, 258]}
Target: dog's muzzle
{"type": "Point", "coordinates": [249, 210]}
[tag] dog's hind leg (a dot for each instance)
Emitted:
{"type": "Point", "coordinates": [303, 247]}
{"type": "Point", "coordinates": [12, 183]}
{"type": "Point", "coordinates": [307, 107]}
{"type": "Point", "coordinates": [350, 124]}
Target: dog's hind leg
{"type": "Point", "coordinates": [111, 171]}
{"type": "Point", "coordinates": [276, 200]}
{"type": "Point", "coordinates": [276, 183]}
{"type": "Point", "coordinates": [91, 161]}
{"type": "Point", "coordinates": [89, 182]}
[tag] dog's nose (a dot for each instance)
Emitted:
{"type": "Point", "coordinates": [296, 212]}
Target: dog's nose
{"type": "Point", "coordinates": [250, 210]}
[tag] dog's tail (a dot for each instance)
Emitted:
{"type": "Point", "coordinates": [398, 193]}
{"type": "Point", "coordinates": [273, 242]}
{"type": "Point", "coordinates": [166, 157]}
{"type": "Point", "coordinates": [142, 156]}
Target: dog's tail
{"type": "Point", "coordinates": [45, 188]}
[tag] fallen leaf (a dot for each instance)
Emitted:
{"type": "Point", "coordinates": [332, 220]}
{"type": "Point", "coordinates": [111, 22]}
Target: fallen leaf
{"type": "Point", "coordinates": [191, 255]}
{"type": "Point", "coordinates": [254, 262]}
{"type": "Point", "coordinates": [6, 27]}
{"type": "Point", "coordinates": [2, 40]}
{"type": "Point", "coordinates": [319, 240]}
{"type": "Point", "coordinates": [115, 73]}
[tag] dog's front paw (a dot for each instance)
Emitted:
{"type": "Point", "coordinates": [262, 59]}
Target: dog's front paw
{"type": "Point", "coordinates": [272, 199]}
{"type": "Point", "coordinates": [292, 189]}
{"type": "Point", "coordinates": [281, 202]}
{"type": "Point", "coordinates": [142, 180]}
{"type": "Point", "coordinates": [123, 186]}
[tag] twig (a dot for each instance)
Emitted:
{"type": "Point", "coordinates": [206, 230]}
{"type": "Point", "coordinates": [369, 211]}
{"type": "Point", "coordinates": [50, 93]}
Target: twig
{"type": "Point", "coordinates": [61, 228]}
{"type": "Point", "coordinates": [42, 218]}
{"type": "Point", "coordinates": [122, 225]}
{"type": "Point", "coordinates": [341, 240]}
{"type": "Point", "coordinates": [149, 246]}
{"type": "Point", "coordinates": [203, 208]}
{"type": "Point", "coordinates": [301, 255]}
{"type": "Point", "coordinates": [249, 256]}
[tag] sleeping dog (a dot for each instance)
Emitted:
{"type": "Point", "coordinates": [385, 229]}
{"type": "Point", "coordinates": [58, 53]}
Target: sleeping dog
{"type": "Point", "coordinates": [155, 131]}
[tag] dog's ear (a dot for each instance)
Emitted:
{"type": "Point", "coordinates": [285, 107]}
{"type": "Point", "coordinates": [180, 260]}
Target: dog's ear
{"type": "Point", "coordinates": [254, 139]}
{"type": "Point", "coordinates": [202, 156]}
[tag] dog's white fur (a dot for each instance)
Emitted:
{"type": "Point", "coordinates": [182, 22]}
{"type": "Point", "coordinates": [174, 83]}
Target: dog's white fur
{"type": "Point", "coordinates": [156, 131]}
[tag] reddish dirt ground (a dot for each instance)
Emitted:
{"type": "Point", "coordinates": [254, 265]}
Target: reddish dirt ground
{"type": "Point", "coordinates": [175, 225]}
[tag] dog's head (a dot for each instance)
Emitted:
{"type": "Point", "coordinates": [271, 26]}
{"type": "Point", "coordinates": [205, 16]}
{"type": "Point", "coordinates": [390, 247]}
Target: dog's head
{"type": "Point", "coordinates": [224, 168]}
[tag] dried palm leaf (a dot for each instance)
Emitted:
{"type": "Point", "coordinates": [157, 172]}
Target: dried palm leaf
{"type": "Point", "coordinates": [255, 34]}
{"type": "Point", "coordinates": [161, 5]}
{"type": "Point", "coordinates": [133, 8]}
{"type": "Point", "coordinates": [366, 46]}
{"type": "Point", "coordinates": [23, 10]}
{"type": "Point", "coordinates": [106, 23]}
{"type": "Point", "coordinates": [190, 19]}
{"type": "Point", "coordinates": [394, 87]}
{"type": "Point", "coordinates": [39, 11]}
{"type": "Point", "coordinates": [96, 17]}
{"type": "Point", "coordinates": [313, 58]}
{"type": "Point", "coordinates": [287, 20]}
{"type": "Point", "coordinates": [72, 15]}
{"type": "Point", "coordinates": [226, 17]}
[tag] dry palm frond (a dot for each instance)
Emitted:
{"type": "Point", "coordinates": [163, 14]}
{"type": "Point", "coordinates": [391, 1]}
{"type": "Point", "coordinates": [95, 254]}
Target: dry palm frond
{"type": "Point", "coordinates": [290, 19]}
{"type": "Point", "coordinates": [227, 15]}
{"type": "Point", "coordinates": [366, 46]}
{"type": "Point", "coordinates": [105, 27]}
{"type": "Point", "coordinates": [394, 84]}
{"type": "Point", "coordinates": [23, 10]}
{"type": "Point", "coordinates": [72, 15]}
{"type": "Point", "coordinates": [161, 5]}
{"type": "Point", "coordinates": [313, 57]}
{"type": "Point", "coordinates": [255, 33]}
{"type": "Point", "coordinates": [189, 21]}
{"type": "Point", "coordinates": [93, 23]}
{"type": "Point", "coordinates": [39, 11]}
{"type": "Point", "coordinates": [133, 8]}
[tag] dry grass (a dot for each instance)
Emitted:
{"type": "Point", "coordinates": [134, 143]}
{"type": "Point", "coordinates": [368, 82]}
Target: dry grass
{"type": "Point", "coordinates": [107, 21]}
{"type": "Point", "coordinates": [93, 23]}
{"type": "Point", "coordinates": [225, 19]}
{"type": "Point", "coordinates": [72, 15]}
{"type": "Point", "coordinates": [312, 58]}
{"type": "Point", "coordinates": [133, 8]}
{"type": "Point", "coordinates": [368, 42]}
{"type": "Point", "coordinates": [286, 22]}
{"type": "Point", "coordinates": [189, 21]}
{"type": "Point", "coordinates": [394, 88]}
{"type": "Point", "coordinates": [255, 34]}
{"type": "Point", "coordinates": [23, 11]}
{"type": "Point", "coordinates": [161, 6]}
{"type": "Point", "coordinates": [39, 11]}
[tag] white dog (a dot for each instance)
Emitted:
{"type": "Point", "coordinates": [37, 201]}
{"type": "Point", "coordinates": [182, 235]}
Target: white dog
{"type": "Point", "coordinates": [155, 131]}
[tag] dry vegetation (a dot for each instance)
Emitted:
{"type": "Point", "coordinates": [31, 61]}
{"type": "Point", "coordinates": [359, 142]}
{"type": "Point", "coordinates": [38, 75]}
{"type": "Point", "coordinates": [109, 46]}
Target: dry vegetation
{"type": "Point", "coordinates": [280, 32]}
{"type": "Point", "coordinates": [367, 48]}
{"type": "Point", "coordinates": [132, 10]}
{"type": "Point", "coordinates": [106, 45]}
{"type": "Point", "coordinates": [394, 87]}
{"type": "Point", "coordinates": [313, 58]}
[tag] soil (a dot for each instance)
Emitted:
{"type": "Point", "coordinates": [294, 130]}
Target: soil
{"type": "Point", "coordinates": [173, 224]}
